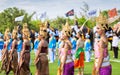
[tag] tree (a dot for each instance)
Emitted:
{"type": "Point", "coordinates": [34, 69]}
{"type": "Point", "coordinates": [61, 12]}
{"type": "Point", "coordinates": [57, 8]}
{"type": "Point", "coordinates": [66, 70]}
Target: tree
{"type": "Point", "coordinates": [57, 23]}
{"type": "Point", "coordinates": [8, 18]}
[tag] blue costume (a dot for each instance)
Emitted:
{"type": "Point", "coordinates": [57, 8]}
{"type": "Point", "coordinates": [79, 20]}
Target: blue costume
{"type": "Point", "coordinates": [19, 46]}
{"type": "Point", "coordinates": [52, 46]}
{"type": "Point", "coordinates": [10, 44]}
{"type": "Point", "coordinates": [73, 41]}
{"type": "Point", "coordinates": [1, 45]}
{"type": "Point", "coordinates": [36, 43]}
{"type": "Point", "coordinates": [87, 48]}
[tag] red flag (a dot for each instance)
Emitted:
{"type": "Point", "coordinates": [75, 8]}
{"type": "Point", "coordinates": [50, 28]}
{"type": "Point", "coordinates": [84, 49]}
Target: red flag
{"type": "Point", "coordinates": [112, 13]}
{"type": "Point", "coordinates": [70, 13]}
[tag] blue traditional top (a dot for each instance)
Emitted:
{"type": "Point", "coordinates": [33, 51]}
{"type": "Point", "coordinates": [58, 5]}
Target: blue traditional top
{"type": "Point", "coordinates": [73, 41]}
{"type": "Point", "coordinates": [19, 46]}
{"type": "Point", "coordinates": [52, 42]}
{"type": "Point", "coordinates": [1, 44]}
{"type": "Point", "coordinates": [36, 43]}
{"type": "Point", "coordinates": [87, 46]}
{"type": "Point", "coordinates": [10, 44]}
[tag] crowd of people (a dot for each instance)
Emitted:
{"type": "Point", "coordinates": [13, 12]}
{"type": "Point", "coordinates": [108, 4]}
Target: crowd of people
{"type": "Point", "coordinates": [71, 45]}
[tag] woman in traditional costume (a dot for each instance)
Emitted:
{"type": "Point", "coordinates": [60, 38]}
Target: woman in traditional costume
{"type": "Point", "coordinates": [5, 53]}
{"type": "Point", "coordinates": [19, 46]}
{"type": "Point", "coordinates": [66, 61]}
{"type": "Point", "coordinates": [23, 66]}
{"type": "Point", "coordinates": [41, 60]}
{"type": "Point", "coordinates": [102, 64]}
{"type": "Point", "coordinates": [79, 56]}
{"type": "Point", "coordinates": [13, 57]}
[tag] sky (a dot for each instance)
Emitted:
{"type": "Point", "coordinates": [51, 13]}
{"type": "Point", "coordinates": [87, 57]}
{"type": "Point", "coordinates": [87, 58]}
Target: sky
{"type": "Point", "coordinates": [56, 8]}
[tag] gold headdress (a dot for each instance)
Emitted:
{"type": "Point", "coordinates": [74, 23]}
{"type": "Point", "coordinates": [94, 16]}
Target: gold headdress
{"type": "Point", "coordinates": [14, 33]}
{"type": "Point", "coordinates": [46, 23]}
{"type": "Point", "coordinates": [67, 29]}
{"type": "Point", "coordinates": [25, 30]}
{"type": "Point", "coordinates": [7, 32]}
{"type": "Point", "coordinates": [103, 21]}
{"type": "Point", "coordinates": [43, 30]}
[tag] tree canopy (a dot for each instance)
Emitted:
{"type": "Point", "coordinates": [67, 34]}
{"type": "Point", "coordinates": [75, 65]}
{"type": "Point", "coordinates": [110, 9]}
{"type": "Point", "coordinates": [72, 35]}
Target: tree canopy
{"type": "Point", "coordinates": [7, 20]}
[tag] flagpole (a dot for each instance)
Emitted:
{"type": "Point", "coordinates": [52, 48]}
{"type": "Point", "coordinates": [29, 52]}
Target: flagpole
{"type": "Point", "coordinates": [84, 24]}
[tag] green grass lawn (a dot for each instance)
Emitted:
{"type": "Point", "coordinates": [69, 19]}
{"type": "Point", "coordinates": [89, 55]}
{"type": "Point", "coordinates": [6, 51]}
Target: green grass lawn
{"type": "Point", "coordinates": [88, 66]}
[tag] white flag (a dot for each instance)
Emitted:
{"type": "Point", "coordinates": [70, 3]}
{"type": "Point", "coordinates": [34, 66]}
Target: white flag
{"type": "Point", "coordinates": [20, 18]}
{"type": "Point", "coordinates": [43, 15]}
{"type": "Point", "coordinates": [93, 13]}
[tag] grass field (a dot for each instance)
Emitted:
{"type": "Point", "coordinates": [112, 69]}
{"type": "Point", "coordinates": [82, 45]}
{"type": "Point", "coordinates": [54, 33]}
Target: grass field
{"type": "Point", "coordinates": [88, 66]}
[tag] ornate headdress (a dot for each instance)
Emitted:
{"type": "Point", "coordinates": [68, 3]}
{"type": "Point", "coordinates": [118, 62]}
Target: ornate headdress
{"type": "Point", "coordinates": [43, 30]}
{"type": "Point", "coordinates": [25, 30]}
{"type": "Point", "coordinates": [67, 29]}
{"type": "Point", "coordinates": [14, 33]}
{"type": "Point", "coordinates": [47, 24]}
{"type": "Point", "coordinates": [103, 21]}
{"type": "Point", "coordinates": [7, 33]}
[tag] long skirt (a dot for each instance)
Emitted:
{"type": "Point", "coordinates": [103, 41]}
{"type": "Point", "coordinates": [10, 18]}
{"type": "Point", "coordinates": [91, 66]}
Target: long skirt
{"type": "Point", "coordinates": [68, 69]}
{"type": "Point", "coordinates": [106, 70]}
{"type": "Point", "coordinates": [79, 63]}
{"type": "Point", "coordinates": [42, 65]}
{"type": "Point", "coordinates": [4, 60]}
{"type": "Point", "coordinates": [12, 63]}
{"type": "Point", "coordinates": [23, 66]}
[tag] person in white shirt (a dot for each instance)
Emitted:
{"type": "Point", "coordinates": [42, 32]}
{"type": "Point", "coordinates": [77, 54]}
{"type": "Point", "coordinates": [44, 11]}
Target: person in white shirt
{"type": "Point", "coordinates": [115, 42]}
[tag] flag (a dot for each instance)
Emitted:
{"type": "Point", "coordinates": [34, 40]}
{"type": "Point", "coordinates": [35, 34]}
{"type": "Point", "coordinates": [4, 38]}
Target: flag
{"type": "Point", "coordinates": [93, 13]}
{"type": "Point", "coordinates": [43, 15]}
{"type": "Point", "coordinates": [20, 18]}
{"type": "Point", "coordinates": [70, 13]}
{"type": "Point", "coordinates": [112, 13]}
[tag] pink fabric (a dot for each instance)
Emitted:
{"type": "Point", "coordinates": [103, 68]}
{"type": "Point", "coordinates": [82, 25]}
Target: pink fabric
{"type": "Point", "coordinates": [62, 51]}
{"type": "Point", "coordinates": [97, 53]}
{"type": "Point", "coordinates": [105, 52]}
{"type": "Point", "coordinates": [69, 52]}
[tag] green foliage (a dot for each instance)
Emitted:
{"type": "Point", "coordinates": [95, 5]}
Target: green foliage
{"type": "Point", "coordinates": [8, 18]}
{"type": "Point", "coordinates": [35, 25]}
{"type": "Point", "coordinates": [81, 21]}
{"type": "Point", "coordinates": [58, 22]}
{"type": "Point", "coordinates": [105, 13]}
{"type": "Point", "coordinates": [53, 67]}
